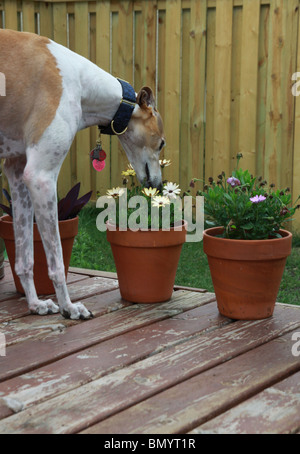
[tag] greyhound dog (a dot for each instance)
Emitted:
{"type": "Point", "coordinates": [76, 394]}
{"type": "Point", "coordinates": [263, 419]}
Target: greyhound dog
{"type": "Point", "coordinates": [51, 93]}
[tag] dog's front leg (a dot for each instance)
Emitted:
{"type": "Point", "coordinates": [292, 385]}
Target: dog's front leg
{"type": "Point", "coordinates": [23, 230]}
{"type": "Point", "coordinates": [41, 183]}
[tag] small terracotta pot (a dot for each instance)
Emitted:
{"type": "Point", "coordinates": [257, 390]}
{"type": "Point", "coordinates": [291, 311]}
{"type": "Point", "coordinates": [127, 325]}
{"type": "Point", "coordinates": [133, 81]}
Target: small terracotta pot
{"type": "Point", "coordinates": [68, 230]}
{"type": "Point", "coordinates": [146, 262]}
{"type": "Point", "coordinates": [246, 274]}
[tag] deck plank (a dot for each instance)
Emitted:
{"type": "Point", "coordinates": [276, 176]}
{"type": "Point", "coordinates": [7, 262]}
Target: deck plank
{"type": "Point", "coordinates": [77, 409]}
{"type": "Point", "coordinates": [32, 326]}
{"type": "Point", "coordinates": [94, 362]}
{"type": "Point", "coordinates": [33, 353]}
{"type": "Point", "coordinates": [275, 410]}
{"type": "Point", "coordinates": [179, 408]}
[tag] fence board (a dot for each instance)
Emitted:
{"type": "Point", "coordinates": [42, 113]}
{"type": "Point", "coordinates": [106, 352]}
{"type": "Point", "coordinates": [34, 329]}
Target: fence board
{"type": "Point", "coordinates": [11, 15]}
{"type": "Point", "coordinates": [29, 17]}
{"type": "Point", "coordinates": [197, 96]}
{"type": "Point", "coordinates": [222, 95]}
{"type": "Point", "coordinates": [235, 95]}
{"type": "Point", "coordinates": [274, 114]}
{"type": "Point", "coordinates": [148, 44]}
{"type": "Point", "coordinates": [290, 25]}
{"type": "Point", "coordinates": [161, 67]}
{"type": "Point", "coordinates": [262, 88]}
{"type": "Point", "coordinates": [172, 87]}
{"type": "Point", "coordinates": [221, 72]}
{"type": "Point", "coordinates": [248, 96]}
{"type": "Point", "coordinates": [46, 19]}
{"type": "Point", "coordinates": [122, 66]}
{"type": "Point", "coordinates": [210, 90]}
{"type": "Point", "coordinates": [185, 140]}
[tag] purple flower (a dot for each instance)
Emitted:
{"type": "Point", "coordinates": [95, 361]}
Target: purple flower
{"type": "Point", "coordinates": [233, 181]}
{"type": "Point", "coordinates": [257, 198]}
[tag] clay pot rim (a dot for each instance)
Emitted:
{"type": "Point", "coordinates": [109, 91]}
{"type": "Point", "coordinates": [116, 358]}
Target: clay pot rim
{"type": "Point", "coordinates": [68, 228]}
{"type": "Point", "coordinates": [213, 231]}
{"type": "Point", "coordinates": [8, 219]}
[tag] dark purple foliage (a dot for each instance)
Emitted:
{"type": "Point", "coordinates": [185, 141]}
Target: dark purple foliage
{"type": "Point", "coordinates": [68, 207]}
{"type": "Point", "coordinates": [7, 209]}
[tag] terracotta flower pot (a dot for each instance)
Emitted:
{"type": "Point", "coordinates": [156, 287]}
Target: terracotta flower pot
{"type": "Point", "coordinates": [68, 230]}
{"type": "Point", "coordinates": [146, 262]}
{"type": "Point", "coordinates": [246, 274]}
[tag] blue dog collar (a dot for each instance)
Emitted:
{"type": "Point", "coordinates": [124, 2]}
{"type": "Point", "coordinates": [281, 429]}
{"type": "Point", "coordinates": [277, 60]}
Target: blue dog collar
{"type": "Point", "coordinates": [119, 123]}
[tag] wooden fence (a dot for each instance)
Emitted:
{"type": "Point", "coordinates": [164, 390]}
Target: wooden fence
{"type": "Point", "coordinates": [222, 73]}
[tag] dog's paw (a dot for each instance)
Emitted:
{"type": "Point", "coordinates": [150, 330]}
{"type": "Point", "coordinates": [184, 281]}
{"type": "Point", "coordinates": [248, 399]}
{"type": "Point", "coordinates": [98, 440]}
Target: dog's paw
{"type": "Point", "coordinates": [46, 307]}
{"type": "Point", "coordinates": [77, 311]}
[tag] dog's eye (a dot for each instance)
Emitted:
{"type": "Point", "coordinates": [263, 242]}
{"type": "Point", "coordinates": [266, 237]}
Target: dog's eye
{"type": "Point", "coordinates": [162, 144]}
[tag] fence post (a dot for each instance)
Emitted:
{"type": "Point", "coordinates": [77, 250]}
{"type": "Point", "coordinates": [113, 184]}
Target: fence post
{"type": "Point", "coordinates": [1, 241]}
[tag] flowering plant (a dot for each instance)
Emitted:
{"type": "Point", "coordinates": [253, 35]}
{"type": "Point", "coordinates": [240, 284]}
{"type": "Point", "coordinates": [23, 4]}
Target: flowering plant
{"type": "Point", "coordinates": [245, 207]}
{"type": "Point", "coordinates": [143, 204]}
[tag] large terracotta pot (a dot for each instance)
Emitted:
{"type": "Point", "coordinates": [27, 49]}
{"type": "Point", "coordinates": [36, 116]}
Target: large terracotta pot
{"type": "Point", "coordinates": [68, 230]}
{"type": "Point", "coordinates": [146, 262]}
{"type": "Point", "coordinates": [246, 274]}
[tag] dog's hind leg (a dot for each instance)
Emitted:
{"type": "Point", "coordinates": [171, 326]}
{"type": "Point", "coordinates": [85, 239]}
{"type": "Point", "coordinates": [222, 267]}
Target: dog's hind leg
{"type": "Point", "coordinates": [40, 176]}
{"type": "Point", "coordinates": [23, 230]}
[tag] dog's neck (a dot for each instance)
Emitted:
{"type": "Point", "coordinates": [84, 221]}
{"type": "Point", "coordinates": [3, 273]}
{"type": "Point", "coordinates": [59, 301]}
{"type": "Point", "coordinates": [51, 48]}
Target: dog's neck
{"type": "Point", "coordinates": [101, 96]}
{"type": "Point", "coordinates": [100, 92]}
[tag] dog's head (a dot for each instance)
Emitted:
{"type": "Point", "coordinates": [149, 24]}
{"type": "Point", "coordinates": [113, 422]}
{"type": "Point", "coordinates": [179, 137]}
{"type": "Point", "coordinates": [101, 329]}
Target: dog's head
{"type": "Point", "coordinates": [144, 139]}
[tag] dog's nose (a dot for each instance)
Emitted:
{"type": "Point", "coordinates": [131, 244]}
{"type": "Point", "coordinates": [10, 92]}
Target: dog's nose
{"type": "Point", "coordinates": [152, 182]}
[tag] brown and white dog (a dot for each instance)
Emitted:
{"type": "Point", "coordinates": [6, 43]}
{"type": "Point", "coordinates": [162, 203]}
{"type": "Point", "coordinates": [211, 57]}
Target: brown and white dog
{"type": "Point", "coordinates": [51, 93]}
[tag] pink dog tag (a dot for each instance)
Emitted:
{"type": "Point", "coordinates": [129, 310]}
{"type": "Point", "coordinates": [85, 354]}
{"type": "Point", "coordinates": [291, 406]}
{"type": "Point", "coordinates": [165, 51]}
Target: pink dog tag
{"type": "Point", "coordinates": [98, 165]}
{"type": "Point", "coordinates": [98, 157]}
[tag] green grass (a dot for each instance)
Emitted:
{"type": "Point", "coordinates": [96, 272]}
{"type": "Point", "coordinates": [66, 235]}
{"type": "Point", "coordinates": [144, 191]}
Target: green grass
{"type": "Point", "coordinates": [91, 250]}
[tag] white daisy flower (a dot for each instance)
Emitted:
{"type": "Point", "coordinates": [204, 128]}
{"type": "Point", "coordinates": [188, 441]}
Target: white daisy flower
{"type": "Point", "coordinates": [150, 192]}
{"type": "Point", "coordinates": [171, 190]}
{"type": "Point", "coordinates": [164, 162]}
{"type": "Point", "coordinates": [160, 201]}
{"type": "Point", "coordinates": [115, 192]}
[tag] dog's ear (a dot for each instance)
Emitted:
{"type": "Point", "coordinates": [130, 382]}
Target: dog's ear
{"type": "Point", "coordinates": [145, 97]}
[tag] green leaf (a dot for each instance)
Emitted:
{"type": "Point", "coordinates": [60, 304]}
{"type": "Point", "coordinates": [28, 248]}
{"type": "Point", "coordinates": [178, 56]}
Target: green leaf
{"type": "Point", "coordinates": [248, 226]}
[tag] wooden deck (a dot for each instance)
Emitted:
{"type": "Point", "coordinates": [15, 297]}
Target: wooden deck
{"type": "Point", "coordinates": [172, 368]}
